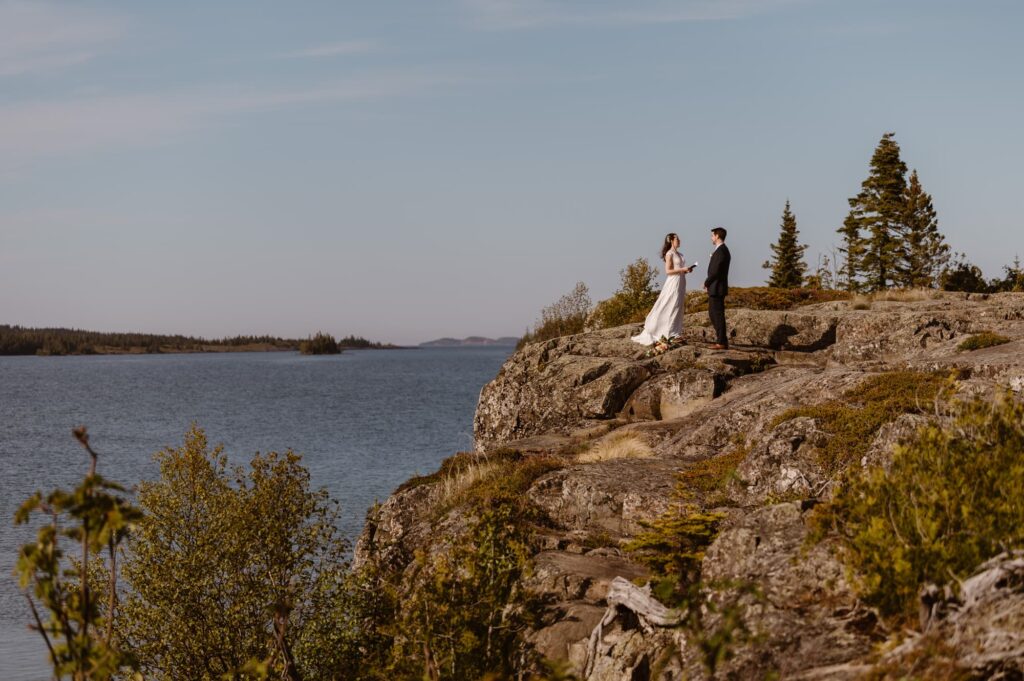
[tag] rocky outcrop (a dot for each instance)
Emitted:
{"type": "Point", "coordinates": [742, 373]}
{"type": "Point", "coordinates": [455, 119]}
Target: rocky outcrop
{"type": "Point", "coordinates": [981, 629]}
{"type": "Point", "coordinates": [561, 385]}
{"type": "Point", "coordinates": [693, 407]}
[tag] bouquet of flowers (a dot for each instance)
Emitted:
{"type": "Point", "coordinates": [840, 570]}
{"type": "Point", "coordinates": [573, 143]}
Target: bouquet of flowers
{"type": "Point", "coordinates": [664, 344]}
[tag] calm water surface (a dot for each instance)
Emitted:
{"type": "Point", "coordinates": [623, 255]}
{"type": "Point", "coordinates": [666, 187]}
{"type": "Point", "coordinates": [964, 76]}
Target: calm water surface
{"type": "Point", "coordinates": [364, 422]}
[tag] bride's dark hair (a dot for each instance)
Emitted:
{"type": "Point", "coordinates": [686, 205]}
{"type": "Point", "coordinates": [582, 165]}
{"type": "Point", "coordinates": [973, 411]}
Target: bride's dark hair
{"type": "Point", "coordinates": [667, 246]}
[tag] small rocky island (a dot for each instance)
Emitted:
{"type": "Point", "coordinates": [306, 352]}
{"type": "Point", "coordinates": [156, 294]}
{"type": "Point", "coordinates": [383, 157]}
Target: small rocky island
{"type": "Point", "coordinates": [671, 499]}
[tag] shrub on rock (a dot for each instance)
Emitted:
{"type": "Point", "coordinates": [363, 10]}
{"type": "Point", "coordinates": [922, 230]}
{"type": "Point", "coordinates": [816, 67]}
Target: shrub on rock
{"type": "Point", "coordinates": [985, 339]}
{"type": "Point", "coordinates": [949, 501]}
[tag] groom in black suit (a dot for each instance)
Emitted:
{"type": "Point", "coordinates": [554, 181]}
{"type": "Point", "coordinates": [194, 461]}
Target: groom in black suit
{"type": "Point", "coordinates": [717, 286]}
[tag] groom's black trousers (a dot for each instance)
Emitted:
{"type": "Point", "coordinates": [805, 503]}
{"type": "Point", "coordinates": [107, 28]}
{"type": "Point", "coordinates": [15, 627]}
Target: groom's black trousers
{"type": "Point", "coordinates": [716, 311]}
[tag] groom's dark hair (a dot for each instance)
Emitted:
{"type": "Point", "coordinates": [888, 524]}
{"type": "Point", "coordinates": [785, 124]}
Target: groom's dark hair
{"type": "Point", "coordinates": [719, 232]}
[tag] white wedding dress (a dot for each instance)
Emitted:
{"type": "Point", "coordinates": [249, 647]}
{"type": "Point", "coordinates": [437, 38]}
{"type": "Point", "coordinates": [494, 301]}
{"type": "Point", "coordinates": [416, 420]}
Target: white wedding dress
{"type": "Point", "coordinates": [666, 317]}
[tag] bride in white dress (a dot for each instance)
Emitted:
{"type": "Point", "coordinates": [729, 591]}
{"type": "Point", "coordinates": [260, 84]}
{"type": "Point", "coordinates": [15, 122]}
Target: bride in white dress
{"type": "Point", "coordinates": [666, 317]}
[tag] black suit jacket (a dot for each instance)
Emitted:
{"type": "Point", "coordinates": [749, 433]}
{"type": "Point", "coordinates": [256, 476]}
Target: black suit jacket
{"type": "Point", "coordinates": [717, 282]}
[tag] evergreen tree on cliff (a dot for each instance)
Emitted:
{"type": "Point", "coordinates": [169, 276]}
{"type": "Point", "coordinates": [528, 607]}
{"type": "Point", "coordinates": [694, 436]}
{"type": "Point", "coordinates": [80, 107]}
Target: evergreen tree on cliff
{"type": "Point", "coordinates": [787, 263]}
{"type": "Point", "coordinates": [879, 210]}
{"type": "Point", "coordinates": [853, 252]}
{"type": "Point", "coordinates": [926, 248]}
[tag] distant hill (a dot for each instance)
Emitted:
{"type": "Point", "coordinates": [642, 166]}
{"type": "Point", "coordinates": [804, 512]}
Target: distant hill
{"type": "Point", "coordinates": [504, 341]}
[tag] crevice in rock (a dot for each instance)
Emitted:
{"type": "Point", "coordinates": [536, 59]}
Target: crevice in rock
{"type": "Point", "coordinates": [721, 385]}
{"type": "Point", "coordinates": [642, 670]}
{"type": "Point", "coordinates": [595, 373]}
{"type": "Point", "coordinates": [827, 339]}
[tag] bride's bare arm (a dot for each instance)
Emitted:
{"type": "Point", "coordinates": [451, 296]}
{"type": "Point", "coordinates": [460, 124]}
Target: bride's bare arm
{"type": "Point", "coordinates": [672, 270]}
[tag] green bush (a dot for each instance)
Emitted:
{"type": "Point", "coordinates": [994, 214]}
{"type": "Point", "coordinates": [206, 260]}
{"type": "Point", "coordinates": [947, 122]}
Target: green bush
{"type": "Point", "coordinates": [634, 299]}
{"type": "Point", "coordinates": [853, 420]}
{"type": "Point", "coordinates": [965, 277]}
{"type": "Point", "coordinates": [240, 573]}
{"type": "Point", "coordinates": [460, 610]}
{"type": "Point", "coordinates": [232, 565]}
{"type": "Point", "coordinates": [950, 500]}
{"type": "Point", "coordinates": [566, 316]}
{"type": "Point", "coordinates": [78, 596]}
{"type": "Point", "coordinates": [673, 544]}
{"type": "Point", "coordinates": [467, 613]}
{"type": "Point", "coordinates": [985, 339]}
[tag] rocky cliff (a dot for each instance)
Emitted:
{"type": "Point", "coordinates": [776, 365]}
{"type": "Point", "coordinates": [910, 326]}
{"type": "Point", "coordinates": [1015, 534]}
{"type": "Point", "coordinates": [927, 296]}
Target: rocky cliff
{"type": "Point", "coordinates": [730, 436]}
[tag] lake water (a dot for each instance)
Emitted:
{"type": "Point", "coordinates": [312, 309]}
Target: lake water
{"type": "Point", "coordinates": [364, 421]}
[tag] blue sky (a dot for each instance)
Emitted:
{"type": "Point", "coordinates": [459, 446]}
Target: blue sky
{"type": "Point", "coordinates": [407, 170]}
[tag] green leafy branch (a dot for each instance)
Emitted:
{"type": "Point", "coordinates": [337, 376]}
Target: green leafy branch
{"type": "Point", "coordinates": [79, 630]}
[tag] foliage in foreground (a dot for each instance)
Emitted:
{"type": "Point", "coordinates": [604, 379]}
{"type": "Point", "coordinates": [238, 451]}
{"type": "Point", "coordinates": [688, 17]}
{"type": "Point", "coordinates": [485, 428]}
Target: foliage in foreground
{"type": "Point", "coordinates": [78, 632]}
{"type": "Point", "coordinates": [461, 611]}
{"type": "Point", "coordinates": [232, 565]}
{"type": "Point", "coordinates": [465, 617]}
{"type": "Point", "coordinates": [239, 573]}
{"type": "Point", "coordinates": [853, 419]}
{"type": "Point", "coordinates": [949, 501]}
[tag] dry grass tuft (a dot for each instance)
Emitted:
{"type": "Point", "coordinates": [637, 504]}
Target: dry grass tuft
{"type": "Point", "coordinates": [982, 339]}
{"type": "Point", "coordinates": [617, 446]}
{"type": "Point", "coordinates": [455, 485]}
{"type": "Point", "coordinates": [502, 476]}
{"type": "Point", "coordinates": [859, 302]}
{"type": "Point", "coordinates": [905, 295]}
{"type": "Point", "coordinates": [863, 301]}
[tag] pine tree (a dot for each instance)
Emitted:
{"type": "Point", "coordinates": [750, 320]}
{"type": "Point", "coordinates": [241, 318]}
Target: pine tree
{"type": "Point", "coordinates": [926, 251]}
{"type": "Point", "coordinates": [853, 248]}
{"type": "Point", "coordinates": [879, 211]}
{"type": "Point", "coordinates": [787, 264]}
{"type": "Point", "coordinates": [1013, 279]}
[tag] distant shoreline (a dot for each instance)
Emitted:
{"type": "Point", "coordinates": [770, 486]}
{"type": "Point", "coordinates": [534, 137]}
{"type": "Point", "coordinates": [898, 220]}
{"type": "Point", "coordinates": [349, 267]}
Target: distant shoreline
{"type": "Point", "coordinates": [472, 342]}
{"type": "Point", "coordinates": [140, 350]}
{"type": "Point", "coordinates": [208, 349]}
{"type": "Point", "coordinates": [19, 341]}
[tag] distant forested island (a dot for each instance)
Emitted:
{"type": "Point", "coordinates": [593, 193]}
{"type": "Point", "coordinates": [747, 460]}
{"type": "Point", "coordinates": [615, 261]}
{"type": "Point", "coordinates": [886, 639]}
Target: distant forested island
{"type": "Point", "coordinates": [504, 341]}
{"type": "Point", "coordinates": [20, 340]}
{"type": "Point", "coordinates": [325, 344]}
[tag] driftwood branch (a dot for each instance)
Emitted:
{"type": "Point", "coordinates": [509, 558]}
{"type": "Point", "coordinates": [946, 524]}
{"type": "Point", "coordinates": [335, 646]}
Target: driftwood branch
{"type": "Point", "coordinates": [625, 595]}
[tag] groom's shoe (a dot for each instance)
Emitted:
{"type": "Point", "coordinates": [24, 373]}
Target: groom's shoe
{"type": "Point", "coordinates": [719, 346]}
